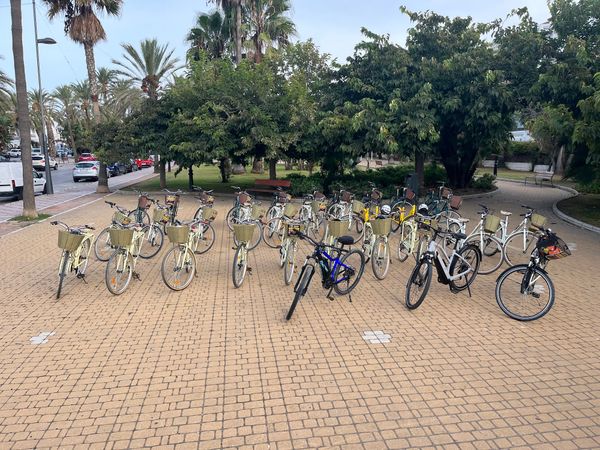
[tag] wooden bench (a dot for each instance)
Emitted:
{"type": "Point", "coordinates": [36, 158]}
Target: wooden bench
{"type": "Point", "coordinates": [263, 186]}
{"type": "Point", "coordinates": [540, 176]}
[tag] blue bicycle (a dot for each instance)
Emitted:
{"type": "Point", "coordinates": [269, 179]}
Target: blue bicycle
{"type": "Point", "coordinates": [339, 274]}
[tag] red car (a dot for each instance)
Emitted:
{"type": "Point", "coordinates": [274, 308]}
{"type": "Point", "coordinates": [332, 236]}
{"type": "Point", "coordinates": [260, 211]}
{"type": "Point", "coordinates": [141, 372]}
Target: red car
{"type": "Point", "coordinates": [86, 157]}
{"type": "Point", "coordinates": [141, 163]}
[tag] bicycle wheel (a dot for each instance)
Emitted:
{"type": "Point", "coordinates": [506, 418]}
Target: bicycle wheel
{"type": "Point", "coordinates": [204, 240]}
{"type": "Point", "coordinates": [517, 249]}
{"type": "Point", "coordinates": [406, 242]}
{"type": "Point", "coordinates": [283, 250]}
{"type": "Point", "coordinates": [421, 246]}
{"type": "Point", "coordinates": [316, 227]}
{"type": "Point", "coordinates": [83, 257]}
{"type": "Point", "coordinates": [402, 209]}
{"type": "Point", "coordinates": [240, 265]}
{"type": "Point", "coordinates": [118, 271]}
{"type": "Point", "coordinates": [290, 264]}
{"type": "Point", "coordinates": [355, 227]}
{"type": "Point", "coordinates": [102, 247]}
{"type": "Point", "coordinates": [273, 212]}
{"type": "Point", "coordinates": [347, 274]}
{"type": "Point", "coordinates": [492, 252]}
{"type": "Point", "coordinates": [233, 216]}
{"type": "Point", "coordinates": [301, 288]}
{"type": "Point", "coordinates": [380, 259]}
{"type": "Point", "coordinates": [524, 293]}
{"type": "Point", "coordinates": [139, 216]}
{"type": "Point", "coordinates": [418, 284]}
{"type": "Point", "coordinates": [178, 267]}
{"type": "Point", "coordinates": [62, 271]}
{"type": "Point", "coordinates": [368, 242]}
{"type": "Point", "coordinates": [273, 232]}
{"type": "Point", "coordinates": [446, 218]}
{"type": "Point", "coordinates": [467, 261]}
{"type": "Point", "coordinates": [152, 241]}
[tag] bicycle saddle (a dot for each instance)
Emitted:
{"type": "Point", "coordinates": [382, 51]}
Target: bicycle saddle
{"type": "Point", "coordinates": [505, 213]}
{"type": "Point", "coordinates": [459, 236]}
{"type": "Point", "coordinates": [346, 240]}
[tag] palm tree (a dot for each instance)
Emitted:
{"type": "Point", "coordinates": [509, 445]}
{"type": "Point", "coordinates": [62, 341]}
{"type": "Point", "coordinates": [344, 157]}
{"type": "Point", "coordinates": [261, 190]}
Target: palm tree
{"type": "Point", "coordinates": [124, 98]}
{"type": "Point", "coordinates": [147, 67]}
{"type": "Point", "coordinates": [106, 77]}
{"type": "Point", "coordinates": [6, 85]}
{"type": "Point", "coordinates": [83, 101]}
{"type": "Point", "coordinates": [47, 101]}
{"type": "Point", "coordinates": [268, 24]}
{"type": "Point", "coordinates": [212, 34]}
{"type": "Point", "coordinates": [234, 7]}
{"type": "Point", "coordinates": [29, 210]}
{"type": "Point", "coordinates": [65, 96]}
{"type": "Point", "coordinates": [84, 27]}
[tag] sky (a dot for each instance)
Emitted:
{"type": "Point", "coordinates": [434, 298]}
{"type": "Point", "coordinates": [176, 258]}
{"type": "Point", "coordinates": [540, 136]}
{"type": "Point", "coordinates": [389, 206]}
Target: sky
{"type": "Point", "coordinates": [334, 25]}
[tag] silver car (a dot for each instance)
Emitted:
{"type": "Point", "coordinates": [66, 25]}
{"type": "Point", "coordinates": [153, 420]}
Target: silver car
{"type": "Point", "coordinates": [86, 170]}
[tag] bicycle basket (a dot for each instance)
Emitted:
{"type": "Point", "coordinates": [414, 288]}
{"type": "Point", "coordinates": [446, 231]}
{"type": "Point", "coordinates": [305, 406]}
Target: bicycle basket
{"type": "Point", "coordinates": [446, 192]}
{"type": "Point", "coordinates": [381, 227]}
{"type": "Point", "coordinates": [244, 198]}
{"type": "Point", "coordinates": [121, 237]}
{"type": "Point", "coordinates": [171, 199]}
{"type": "Point", "coordinates": [121, 218]}
{"type": "Point", "coordinates": [346, 196]}
{"type": "Point", "coordinates": [319, 196]}
{"type": "Point", "coordinates": [143, 202]}
{"type": "Point", "coordinates": [258, 212]}
{"type": "Point", "coordinates": [244, 232]}
{"type": "Point", "coordinates": [376, 195]}
{"type": "Point", "coordinates": [158, 215]}
{"type": "Point", "coordinates": [178, 234]}
{"type": "Point", "coordinates": [206, 198]}
{"type": "Point", "coordinates": [209, 214]}
{"type": "Point", "coordinates": [537, 222]}
{"type": "Point", "coordinates": [357, 206]}
{"type": "Point", "coordinates": [290, 210]}
{"type": "Point", "coordinates": [491, 224]}
{"type": "Point", "coordinates": [294, 227]}
{"type": "Point", "coordinates": [410, 194]}
{"type": "Point", "coordinates": [318, 206]}
{"type": "Point", "coordinates": [552, 247]}
{"type": "Point", "coordinates": [69, 241]}
{"type": "Point", "coordinates": [336, 228]}
{"type": "Point", "coordinates": [456, 202]}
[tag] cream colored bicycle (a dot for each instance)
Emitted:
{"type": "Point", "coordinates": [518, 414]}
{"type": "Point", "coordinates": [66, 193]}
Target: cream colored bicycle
{"type": "Point", "coordinates": [127, 242]}
{"type": "Point", "coordinates": [179, 264]}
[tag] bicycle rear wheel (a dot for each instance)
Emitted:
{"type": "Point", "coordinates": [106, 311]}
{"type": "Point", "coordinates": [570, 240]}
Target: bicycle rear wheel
{"type": "Point", "coordinates": [178, 267]}
{"type": "Point", "coordinates": [152, 241]}
{"type": "Point", "coordinates": [139, 216]}
{"type": "Point", "coordinates": [62, 271]}
{"type": "Point", "coordinates": [273, 232]}
{"type": "Point", "coordinates": [118, 271]}
{"type": "Point", "coordinates": [349, 272]}
{"type": "Point", "coordinates": [406, 240]}
{"type": "Point", "coordinates": [517, 249]}
{"type": "Point", "coordinates": [468, 261]}
{"type": "Point", "coordinates": [290, 264]}
{"type": "Point", "coordinates": [418, 284]}
{"type": "Point", "coordinates": [492, 252]}
{"type": "Point", "coordinates": [380, 259]}
{"type": "Point", "coordinates": [524, 293]}
{"type": "Point", "coordinates": [240, 265]}
{"type": "Point", "coordinates": [102, 247]}
{"type": "Point", "coordinates": [301, 288]}
{"type": "Point", "coordinates": [204, 241]}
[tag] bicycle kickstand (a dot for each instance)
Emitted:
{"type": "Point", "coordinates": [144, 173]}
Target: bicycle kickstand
{"type": "Point", "coordinates": [350, 297]}
{"type": "Point", "coordinates": [329, 296]}
{"type": "Point", "coordinates": [469, 290]}
{"type": "Point", "coordinates": [137, 276]}
{"type": "Point", "coordinates": [81, 276]}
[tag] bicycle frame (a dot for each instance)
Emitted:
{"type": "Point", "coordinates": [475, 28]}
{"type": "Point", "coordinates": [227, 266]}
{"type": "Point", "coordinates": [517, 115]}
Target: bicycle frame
{"type": "Point", "coordinates": [328, 268]}
{"type": "Point", "coordinates": [442, 262]}
{"type": "Point", "coordinates": [74, 260]}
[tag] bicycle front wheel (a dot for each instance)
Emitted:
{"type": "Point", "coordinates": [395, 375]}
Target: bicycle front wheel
{"type": "Point", "coordinates": [524, 293]}
{"type": "Point", "coordinates": [406, 242]}
{"type": "Point", "coordinates": [518, 248]}
{"type": "Point", "coordinates": [152, 241]}
{"type": "Point", "coordinates": [466, 264]}
{"type": "Point", "coordinates": [204, 240]}
{"type": "Point", "coordinates": [139, 216]}
{"type": "Point", "coordinates": [380, 259]}
{"type": "Point", "coordinates": [290, 264]}
{"type": "Point", "coordinates": [118, 272]}
{"type": "Point", "coordinates": [178, 267]}
{"type": "Point", "coordinates": [273, 232]}
{"type": "Point", "coordinates": [348, 272]}
{"type": "Point", "coordinates": [102, 247]}
{"type": "Point", "coordinates": [301, 288]}
{"type": "Point", "coordinates": [240, 265]}
{"type": "Point", "coordinates": [418, 284]}
{"type": "Point", "coordinates": [83, 257]}
{"type": "Point", "coordinates": [492, 252]}
{"type": "Point", "coordinates": [401, 210]}
{"type": "Point", "coordinates": [62, 271]}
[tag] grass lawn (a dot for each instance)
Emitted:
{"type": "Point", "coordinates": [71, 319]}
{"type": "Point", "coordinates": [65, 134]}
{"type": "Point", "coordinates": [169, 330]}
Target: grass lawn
{"type": "Point", "coordinates": [519, 176]}
{"type": "Point", "coordinates": [584, 207]}
{"type": "Point", "coordinates": [209, 177]}
{"type": "Point", "coordinates": [26, 219]}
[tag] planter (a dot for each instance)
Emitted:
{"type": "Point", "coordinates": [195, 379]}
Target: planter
{"type": "Point", "coordinates": [541, 168]}
{"type": "Point", "coordinates": [519, 166]}
{"type": "Point", "coordinates": [487, 163]}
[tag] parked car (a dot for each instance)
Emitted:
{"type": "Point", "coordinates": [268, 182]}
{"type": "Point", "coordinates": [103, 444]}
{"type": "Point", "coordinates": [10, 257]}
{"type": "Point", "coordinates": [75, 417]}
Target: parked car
{"type": "Point", "coordinates": [116, 169]}
{"type": "Point", "coordinates": [14, 153]}
{"type": "Point", "coordinates": [11, 180]}
{"type": "Point", "coordinates": [141, 163]}
{"type": "Point", "coordinates": [36, 151]}
{"type": "Point", "coordinates": [39, 162]}
{"type": "Point", "coordinates": [87, 170]}
{"type": "Point", "coordinates": [86, 157]}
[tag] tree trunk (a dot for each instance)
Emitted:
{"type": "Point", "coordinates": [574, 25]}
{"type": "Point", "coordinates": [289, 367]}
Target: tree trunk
{"type": "Point", "coordinates": [420, 171]}
{"type": "Point", "coordinates": [91, 70]}
{"type": "Point", "coordinates": [163, 174]}
{"type": "Point", "coordinates": [238, 31]}
{"type": "Point", "coordinates": [273, 169]}
{"type": "Point", "coordinates": [238, 169]}
{"type": "Point", "coordinates": [71, 136]}
{"type": "Point", "coordinates": [258, 165]}
{"type": "Point", "coordinates": [559, 165]}
{"type": "Point", "coordinates": [29, 209]}
{"type": "Point", "coordinates": [311, 166]}
{"type": "Point", "coordinates": [190, 178]}
{"type": "Point", "coordinates": [289, 164]}
{"type": "Point", "coordinates": [169, 166]}
{"type": "Point", "coordinates": [225, 169]}
{"type": "Point", "coordinates": [51, 141]}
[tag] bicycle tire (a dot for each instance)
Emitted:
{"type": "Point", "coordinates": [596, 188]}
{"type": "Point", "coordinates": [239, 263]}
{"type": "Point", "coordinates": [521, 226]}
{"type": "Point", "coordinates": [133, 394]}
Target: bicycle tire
{"type": "Point", "coordinates": [111, 276]}
{"type": "Point", "coordinates": [354, 229]}
{"type": "Point", "coordinates": [466, 252]}
{"type": "Point", "coordinates": [517, 252]}
{"type": "Point", "coordinates": [421, 246]}
{"type": "Point", "coordinates": [492, 253]}
{"type": "Point", "coordinates": [229, 217]}
{"type": "Point", "coordinates": [152, 241]}
{"type": "Point", "coordinates": [273, 232]}
{"type": "Point", "coordinates": [301, 289]}
{"type": "Point", "coordinates": [62, 272]}
{"type": "Point", "coordinates": [139, 213]}
{"type": "Point", "coordinates": [238, 272]}
{"type": "Point", "coordinates": [290, 264]}
{"type": "Point", "coordinates": [84, 255]}
{"type": "Point", "coordinates": [188, 268]}
{"type": "Point", "coordinates": [201, 246]}
{"type": "Point", "coordinates": [341, 271]}
{"type": "Point", "coordinates": [406, 237]}
{"type": "Point", "coordinates": [421, 280]}
{"type": "Point", "coordinates": [102, 247]}
{"type": "Point", "coordinates": [506, 287]}
{"type": "Point", "coordinates": [380, 264]}
{"type": "Point", "coordinates": [368, 242]}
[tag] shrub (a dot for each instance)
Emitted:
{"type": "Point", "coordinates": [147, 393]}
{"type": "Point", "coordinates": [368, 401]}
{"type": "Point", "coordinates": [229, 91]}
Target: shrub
{"type": "Point", "coordinates": [485, 182]}
{"type": "Point", "coordinates": [526, 152]}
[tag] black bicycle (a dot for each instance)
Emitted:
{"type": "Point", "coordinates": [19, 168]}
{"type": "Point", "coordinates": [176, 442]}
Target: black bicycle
{"type": "Point", "coordinates": [340, 272]}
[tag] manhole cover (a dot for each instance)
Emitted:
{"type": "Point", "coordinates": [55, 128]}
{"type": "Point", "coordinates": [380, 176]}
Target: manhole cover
{"type": "Point", "coordinates": [42, 338]}
{"type": "Point", "coordinates": [376, 337]}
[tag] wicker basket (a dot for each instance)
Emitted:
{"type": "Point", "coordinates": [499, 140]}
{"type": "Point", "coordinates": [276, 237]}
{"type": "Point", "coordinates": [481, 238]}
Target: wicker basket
{"type": "Point", "coordinates": [158, 215]}
{"type": "Point", "coordinates": [121, 218]}
{"type": "Point", "coordinates": [244, 198]}
{"type": "Point", "coordinates": [209, 214]}
{"type": "Point", "coordinates": [69, 241]}
{"type": "Point", "coordinates": [553, 247]}
{"type": "Point", "coordinates": [491, 224]}
{"type": "Point", "coordinates": [318, 206]}
{"type": "Point", "coordinates": [455, 202]}
{"type": "Point", "coordinates": [446, 192]}
{"type": "Point", "coordinates": [121, 237]}
{"type": "Point", "coordinates": [258, 212]}
{"type": "Point", "coordinates": [537, 222]}
{"type": "Point", "coordinates": [381, 227]}
{"type": "Point", "coordinates": [336, 228]}
{"type": "Point", "coordinates": [178, 234]}
{"type": "Point", "coordinates": [244, 232]}
{"type": "Point", "coordinates": [143, 202]}
{"type": "Point", "coordinates": [357, 206]}
{"type": "Point", "coordinates": [171, 199]}
{"type": "Point", "coordinates": [290, 210]}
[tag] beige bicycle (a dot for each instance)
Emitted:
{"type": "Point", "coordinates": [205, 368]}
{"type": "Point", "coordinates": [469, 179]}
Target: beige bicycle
{"type": "Point", "coordinates": [179, 264]}
{"type": "Point", "coordinates": [127, 242]}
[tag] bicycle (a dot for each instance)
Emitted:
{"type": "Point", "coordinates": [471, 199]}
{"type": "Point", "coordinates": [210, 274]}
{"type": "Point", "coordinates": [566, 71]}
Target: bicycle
{"type": "Point", "coordinates": [243, 234]}
{"type": "Point", "coordinates": [274, 230]}
{"type": "Point", "coordinates": [178, 266]}
{"type": "Point", "coordinates": [140, 213]}
{"type": "Point", "coordinates": [375, 244]}
{"type": "Point", "coordinates": [525, 292]}
{"type": "Point", "coordinates": [289, 247]}
{"type": "Point", "coordinates": [519, 244]}
{"type": "Point", "coordinates": [241, 210]}
{"type": "Point", "coordinates": [458, 270]}
{"type": "Point", "coordinates": [206, 200]}
{"type": "Point", "coordinates": [280, 199]}
{"type": "Point", "coordinates": [76, 245]}
{"type": "Point", "coordinates": [339, 274]}
{"type": "Point", "coordinates": [483, 235]}
{"type": "Point", "coordinates": [403, 206]}
{"type": "Point", "coordinates": [121, 264]}
{"type": "Point", "coordinates": [172, 200]}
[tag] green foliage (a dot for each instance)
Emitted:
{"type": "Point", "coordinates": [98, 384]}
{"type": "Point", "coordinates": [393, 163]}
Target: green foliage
{"type": "Point", "coordinates": [7, 127]}
{"type": "Point", "coordinates": [526, 152]}
{"type": "Point", "coordinates": [486, 182]}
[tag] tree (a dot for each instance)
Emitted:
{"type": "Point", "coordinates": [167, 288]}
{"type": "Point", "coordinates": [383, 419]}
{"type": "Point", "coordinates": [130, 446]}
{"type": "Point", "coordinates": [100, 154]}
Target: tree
{"type": "Point", "coordinates": [106, 77]}
{"type": "Point", "coordinates": [553, 130]}
{"type": "Point", "coordinates": [6, 85]}
{"type": "Point", "coordinates": [83, 26]}
{"type": "Point", "coordinates": [268, 24]}
{"type": "Point", "coordinates": [64, 95]}
{"type": "Point", "coordinates": [45, 100]}
{"type": "Point", "coordinates": [234, 8]}
{"type": "Point", "coordinates": [211, 34]}
{"type": "Point", "coordinates": [29, 209]}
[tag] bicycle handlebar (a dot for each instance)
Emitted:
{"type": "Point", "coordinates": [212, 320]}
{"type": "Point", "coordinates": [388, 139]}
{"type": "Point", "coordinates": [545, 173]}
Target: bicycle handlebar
{"type": "Point", "coordinates": [178, 192]}
{"type": "Point", "coordinates": [78, 228]}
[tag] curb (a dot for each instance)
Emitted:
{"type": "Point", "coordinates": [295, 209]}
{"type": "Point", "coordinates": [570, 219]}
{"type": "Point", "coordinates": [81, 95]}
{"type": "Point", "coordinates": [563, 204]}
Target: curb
{"type": "Point", "coordinates": [482, 195]}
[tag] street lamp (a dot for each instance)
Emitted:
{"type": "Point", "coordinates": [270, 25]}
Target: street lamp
{"type": "Point", "coordinates": [49, 185]}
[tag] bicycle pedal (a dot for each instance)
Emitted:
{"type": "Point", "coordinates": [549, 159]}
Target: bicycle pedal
{"type": "Point", "coordinates": [249, 269]}
{"type": "Point", "coordinates": [330, 297]}
{"type": "Point", "coordinates": [137, 276]}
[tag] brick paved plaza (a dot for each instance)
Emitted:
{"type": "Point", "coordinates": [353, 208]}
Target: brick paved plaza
{"type": "Point", "coordinates": [216, 367]}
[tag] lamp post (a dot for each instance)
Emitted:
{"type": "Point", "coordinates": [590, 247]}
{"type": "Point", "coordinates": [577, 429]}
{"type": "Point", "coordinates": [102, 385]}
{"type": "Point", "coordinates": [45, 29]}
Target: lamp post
{"type": "Point", "coordinates": [49, 185]}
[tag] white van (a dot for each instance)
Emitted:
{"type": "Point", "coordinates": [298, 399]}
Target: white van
{"type": "Point", "coordinates": [11, 180]}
